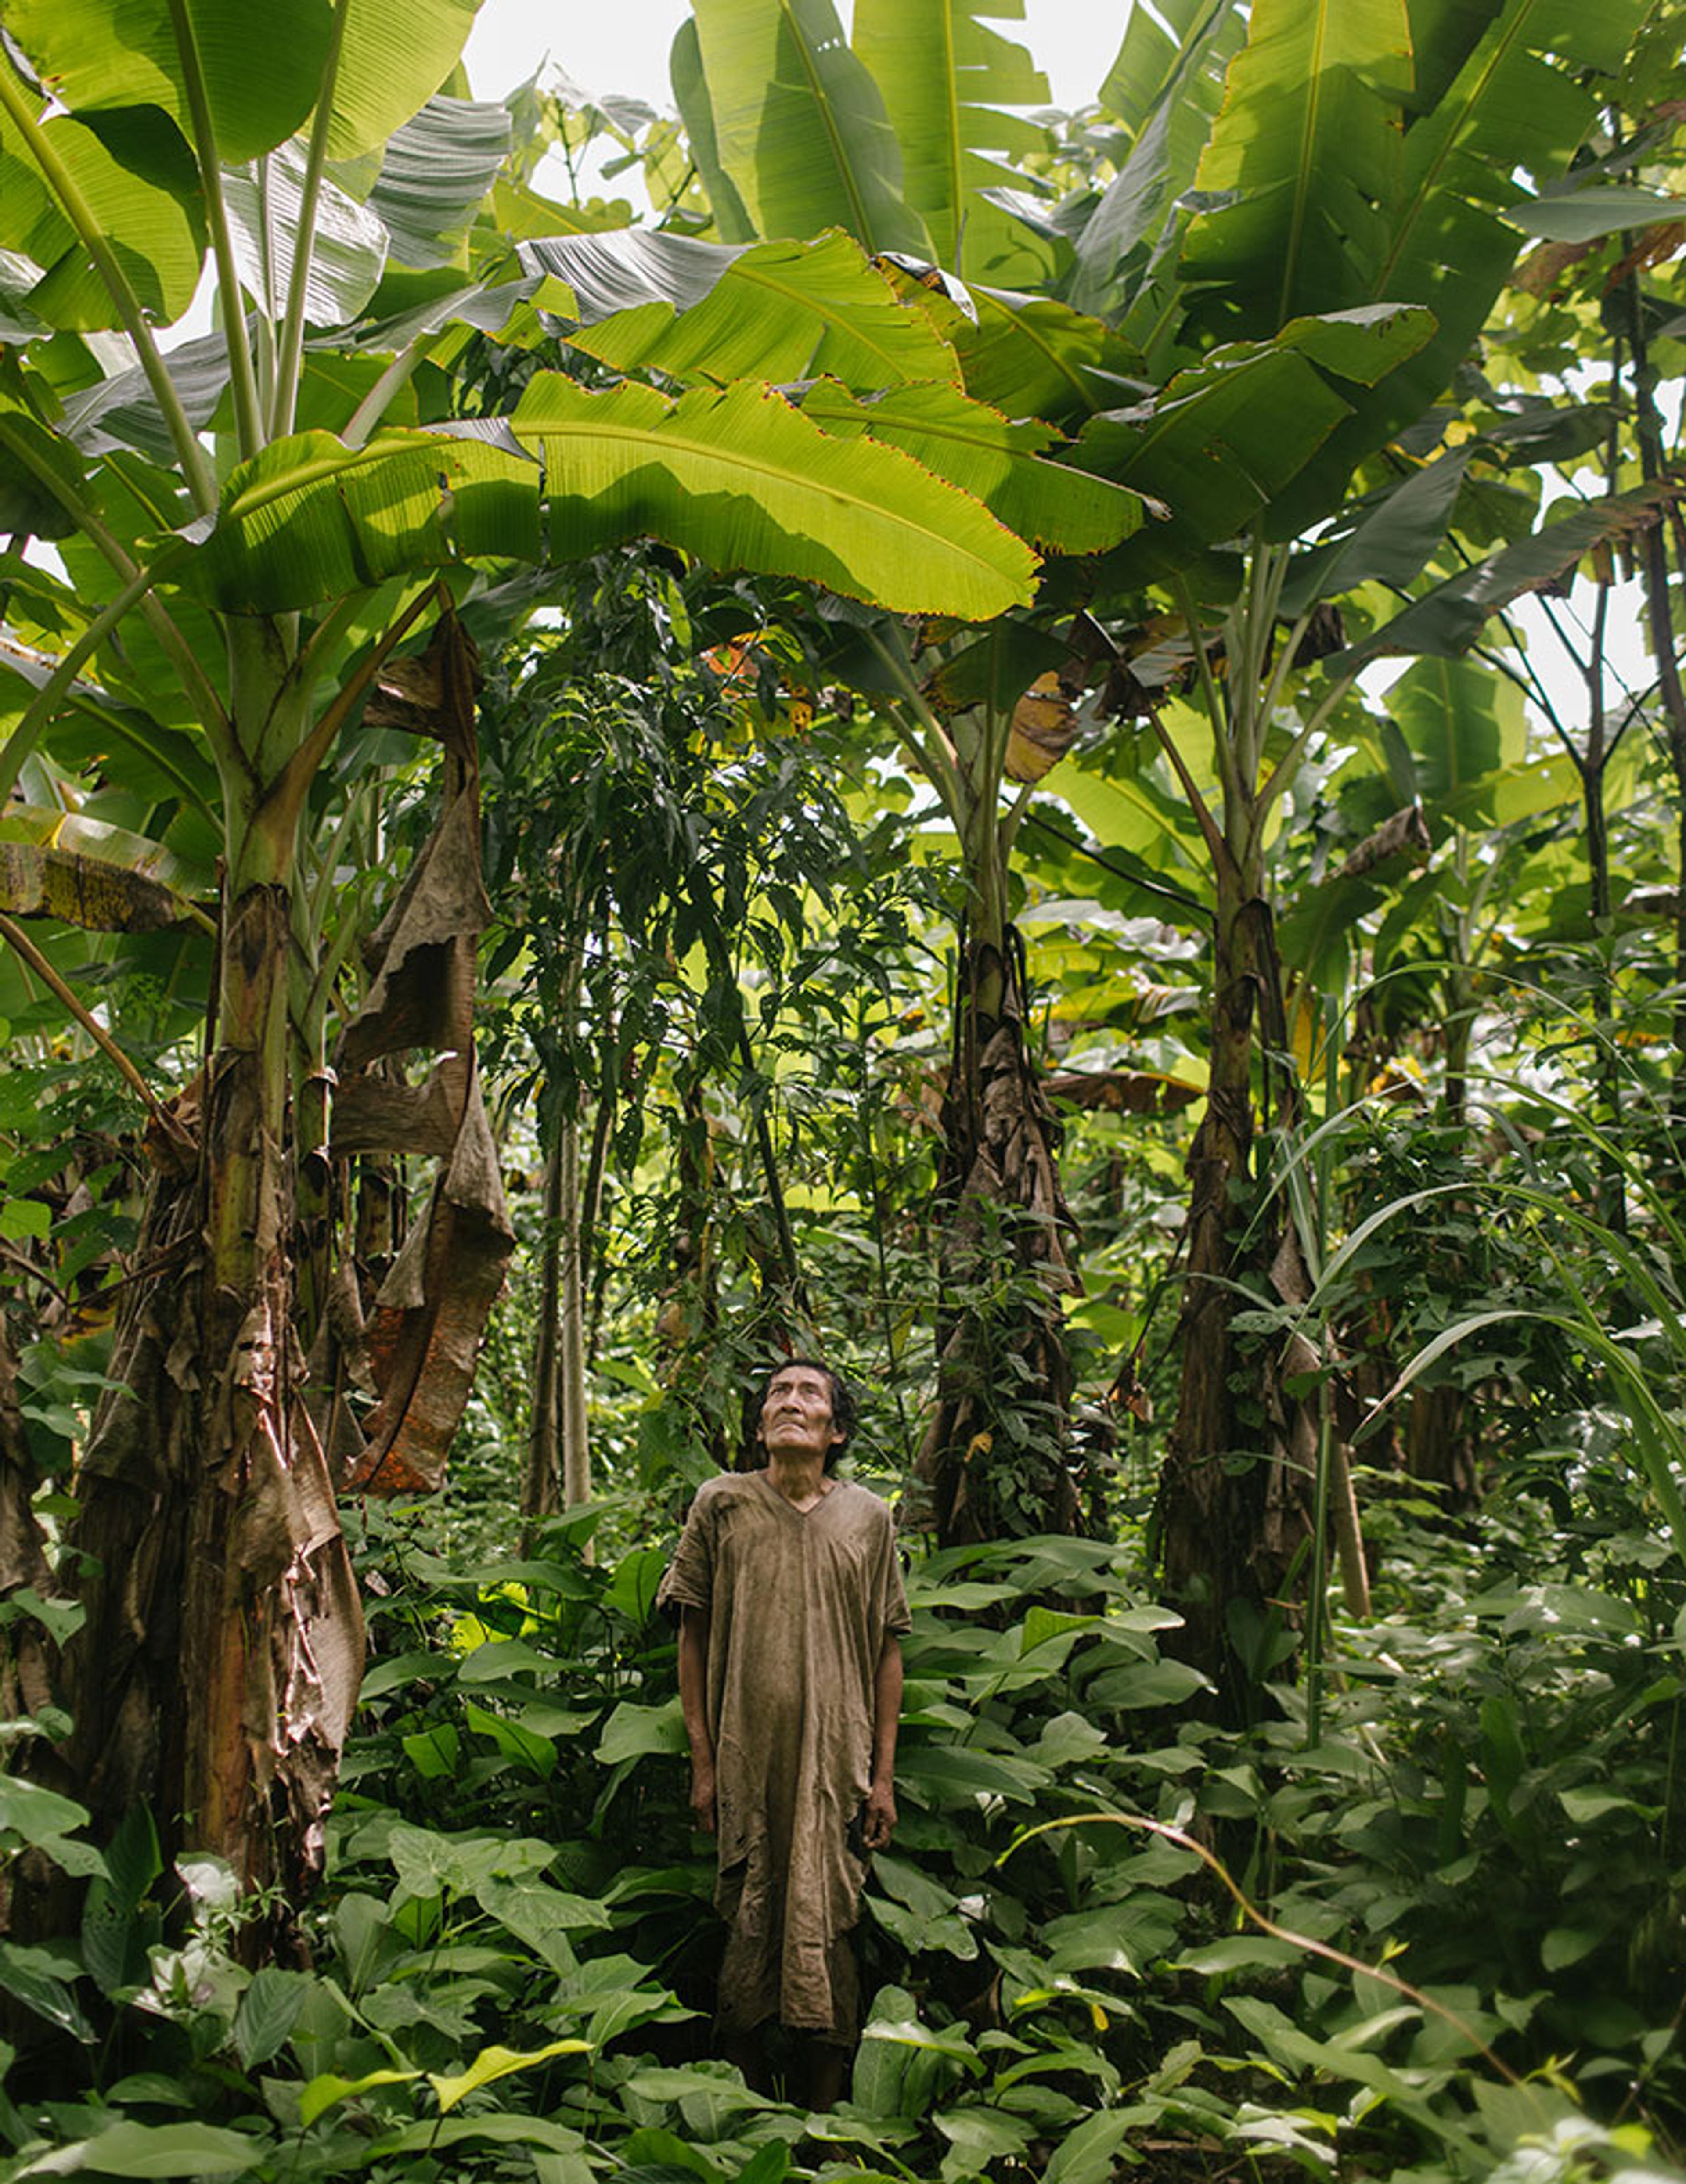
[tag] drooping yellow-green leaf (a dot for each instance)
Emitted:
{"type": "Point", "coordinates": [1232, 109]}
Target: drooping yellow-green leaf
{"type": "Point", "coordinates": [742, 480]}
{"type": "Point", "coordinates": [948, 81]}
{"type": "Point", "coordinates": [494, 2063]}
{"type": "Point", "coordinates": [1002, 463]}
{"type": "Point", "coordinates": [309, 518]}
{"type": "Point", "coordinates": [95, 54]}
{"type": "Point", "coordinates": [777, 311]}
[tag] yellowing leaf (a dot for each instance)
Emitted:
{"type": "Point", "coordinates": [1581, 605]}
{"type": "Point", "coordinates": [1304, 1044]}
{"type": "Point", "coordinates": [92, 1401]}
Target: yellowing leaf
{"type": "Point", "coordinates": [493, 2063]}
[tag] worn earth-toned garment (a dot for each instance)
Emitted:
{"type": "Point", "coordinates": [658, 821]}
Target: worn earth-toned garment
{"type": "Point", "coordinates": [799, 1603]}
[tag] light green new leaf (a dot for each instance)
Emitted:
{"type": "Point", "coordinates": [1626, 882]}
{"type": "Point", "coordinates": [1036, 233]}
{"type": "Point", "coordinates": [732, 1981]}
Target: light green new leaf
{"type": "Point", "coordinates": [349, 244]}
{"type": "Point", "coordinates": [96, 54]}
{"type": "Point", "coordinates": [742, 480]}
{"type": "Point", "coordinates": [799, 126]}
{"type": "Point", "coordinates": [1003, 465]}
{"type": "Point", "coordinates": [1029, 356]}
{"type": "Point", "coordinates": [1307, 144]}
{"type": "Point", "coordinates": [309, 518]}
{"type": "Point", "coordinates": [135, 176]}
{"type": "Point", "coordinates": [777, 311]}
{"type": "Point", "coordinates": [946, 77]}
{"type": "Point", "coordinates": [323, 2093]}
{"type": "Point", "coordinates": [396, 55]}
{"type": "Point", "coordinates": [494, 2063]}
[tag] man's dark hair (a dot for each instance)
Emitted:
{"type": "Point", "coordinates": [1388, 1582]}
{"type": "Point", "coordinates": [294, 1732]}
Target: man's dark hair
{"type": "Point", "coordinates": [843, 1405]}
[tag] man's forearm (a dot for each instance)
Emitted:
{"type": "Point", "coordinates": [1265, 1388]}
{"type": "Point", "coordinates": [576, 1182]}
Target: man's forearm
{"type": "Point", "coordinates": [886, 1712]}
{"type": "Point", "coordinates": [694, 1684]}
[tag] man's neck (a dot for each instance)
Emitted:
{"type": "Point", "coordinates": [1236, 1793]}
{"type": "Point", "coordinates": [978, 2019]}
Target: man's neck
{"type": "Point", "coordinates": [801, 1479]}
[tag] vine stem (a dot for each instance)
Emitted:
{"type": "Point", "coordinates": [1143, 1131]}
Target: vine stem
{"type": "Point", "coordinates": [1251, 1911]}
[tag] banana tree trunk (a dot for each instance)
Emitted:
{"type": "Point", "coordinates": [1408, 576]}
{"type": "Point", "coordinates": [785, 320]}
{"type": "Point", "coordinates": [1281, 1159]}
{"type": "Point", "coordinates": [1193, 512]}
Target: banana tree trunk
{"type": "Point", "coordinates": [1231, 1516]}
{"type": "Point", "coordinates": [217, 1671]}
{"type": "Point", "coordinates": [993, 1460]}
{"type": "Point", "coordinates": [575, 1417]}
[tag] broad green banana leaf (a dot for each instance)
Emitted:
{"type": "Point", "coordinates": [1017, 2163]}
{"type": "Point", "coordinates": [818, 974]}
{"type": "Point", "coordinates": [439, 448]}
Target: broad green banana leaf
{"type": "Point", "coordinates": [99, 54]}
{"type": "Point", "coordinates": [742, 480]}
{"type": "Point", "coordinates": [1027, 356]}
{"type": "Point", "coordinates": [133, 171]}
{"type": "Point", "coordinates": [309, 520]}
{"type": "Point", "coordinates": [348, 251]}
{"type": "Point", "coordinates": [1517, 103]}
{"type": "Point", "coordinates": [1222, 441]}
{"type": "Point", "coordinates": [946, 77]}
{"type": "Point", "coordinates": [1301, 164]}
{"type": "Point", "coordinates": [1598, 208]}
{"type": "Point", "coordinates": [777, 310]}
{"type": "Point", "coordinates": [1059, 508]}
{"type": "Point", "coordinates": [1448, 620]}
{"type": "Point", "coordinates": [1386, 538]}
{"type": "Point", "coordinates": [798, 125]}
{"type": "Point", "coordinates": [435, 175]}
{"type": "Point", "coordinates": [1167, 90]}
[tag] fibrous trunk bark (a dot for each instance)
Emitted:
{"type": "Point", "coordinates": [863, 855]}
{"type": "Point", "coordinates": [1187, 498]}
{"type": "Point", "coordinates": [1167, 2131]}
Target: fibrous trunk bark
{"type": "Point", "coordinates": [1232, 1513]}
{"type": "Point", "coordinates": [993, 1461]}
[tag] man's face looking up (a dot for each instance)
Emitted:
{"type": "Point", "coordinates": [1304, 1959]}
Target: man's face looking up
{"type": "Point", "coordinates": [795, 1418]}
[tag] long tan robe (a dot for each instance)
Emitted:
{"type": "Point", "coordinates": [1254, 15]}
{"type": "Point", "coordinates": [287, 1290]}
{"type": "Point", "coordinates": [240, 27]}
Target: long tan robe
{"type": "Point", "coordinates": [800, 1604]}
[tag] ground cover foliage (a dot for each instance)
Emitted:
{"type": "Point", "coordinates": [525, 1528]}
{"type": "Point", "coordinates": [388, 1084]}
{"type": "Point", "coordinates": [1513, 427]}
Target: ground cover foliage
{"type": "Point", "coordinates": [1219, 1094]}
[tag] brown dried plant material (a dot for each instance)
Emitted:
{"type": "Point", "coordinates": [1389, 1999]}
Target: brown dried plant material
{"type": "Point", "coordinates": [416, 1340]}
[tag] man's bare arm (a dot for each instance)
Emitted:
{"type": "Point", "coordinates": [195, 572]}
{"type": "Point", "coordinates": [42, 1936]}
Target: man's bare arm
{"type": "Point", "coordinates": [879, 1824]}
{"type": "Point", "coordinates": [693, 1701]}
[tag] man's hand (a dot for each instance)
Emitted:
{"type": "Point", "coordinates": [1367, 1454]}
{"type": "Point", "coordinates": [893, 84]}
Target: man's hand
{"type": "Point", "coordinates": [877, 1823]}
{"type": "Point", "coordinates": [704, 1810]}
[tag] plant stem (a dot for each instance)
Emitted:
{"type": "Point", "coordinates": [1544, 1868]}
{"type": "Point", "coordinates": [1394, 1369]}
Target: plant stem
{"type": "Point", "coordinates": [248, 420]}
{"type": "Point", "coordinates": [291, 348]}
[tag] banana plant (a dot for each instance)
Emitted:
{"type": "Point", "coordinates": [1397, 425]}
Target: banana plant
{"type": "Point", "coordinates": [262, 538]}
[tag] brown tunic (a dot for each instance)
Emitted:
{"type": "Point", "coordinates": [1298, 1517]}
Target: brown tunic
{"type": "Point", "coordinates": [800, 1604]}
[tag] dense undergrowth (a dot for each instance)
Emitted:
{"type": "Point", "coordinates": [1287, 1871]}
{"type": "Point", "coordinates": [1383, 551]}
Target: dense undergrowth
{"type": "Point", "coordinates": [508, 1972]}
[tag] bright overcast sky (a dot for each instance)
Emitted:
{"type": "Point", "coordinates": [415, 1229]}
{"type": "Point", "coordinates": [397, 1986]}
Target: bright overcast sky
{"type": "Point", "coordinates": [621, 45]}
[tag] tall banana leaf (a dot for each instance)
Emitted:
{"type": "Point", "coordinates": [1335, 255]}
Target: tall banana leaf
{"type": "Point", "coordinates": [949, 82]}
{"type": "Point", "coordinates": [796, 124]}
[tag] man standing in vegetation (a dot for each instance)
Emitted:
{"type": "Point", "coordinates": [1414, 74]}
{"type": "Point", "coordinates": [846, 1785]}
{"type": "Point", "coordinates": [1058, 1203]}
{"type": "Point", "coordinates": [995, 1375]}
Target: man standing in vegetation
{"type": "Point", "coordinates": [791, 1608]}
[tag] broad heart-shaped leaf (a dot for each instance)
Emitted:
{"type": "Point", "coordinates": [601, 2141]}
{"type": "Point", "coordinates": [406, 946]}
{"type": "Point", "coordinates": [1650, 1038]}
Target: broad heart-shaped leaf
{"type": "Point", "coordinates": [744, 481]}
{"type": "Point", "coordinates": [777, 311]}
{"type": "Point", "coordinates": [99, 53]}
{"type": "Point", "coordinates": [309, 518]}
{"type": "Point", "coordinates": [1448, 620]}
{"type": "Point", "coordinates": [945, 77]}
{"type": "Point", "coordinates": [1302, 155]}
{"type": "Point", "coordinates": [396, 55]}
{"type": "Point", "coordinates": [349, 247]}
{"type": "Point", "coordinates": [799, 126]}
{"type": "Point", "coordinates": [134, 174]}
{"type": "Point", "coordinates": [435, 175]}
{"type": "Point", "coordinates": [1059, 510]}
